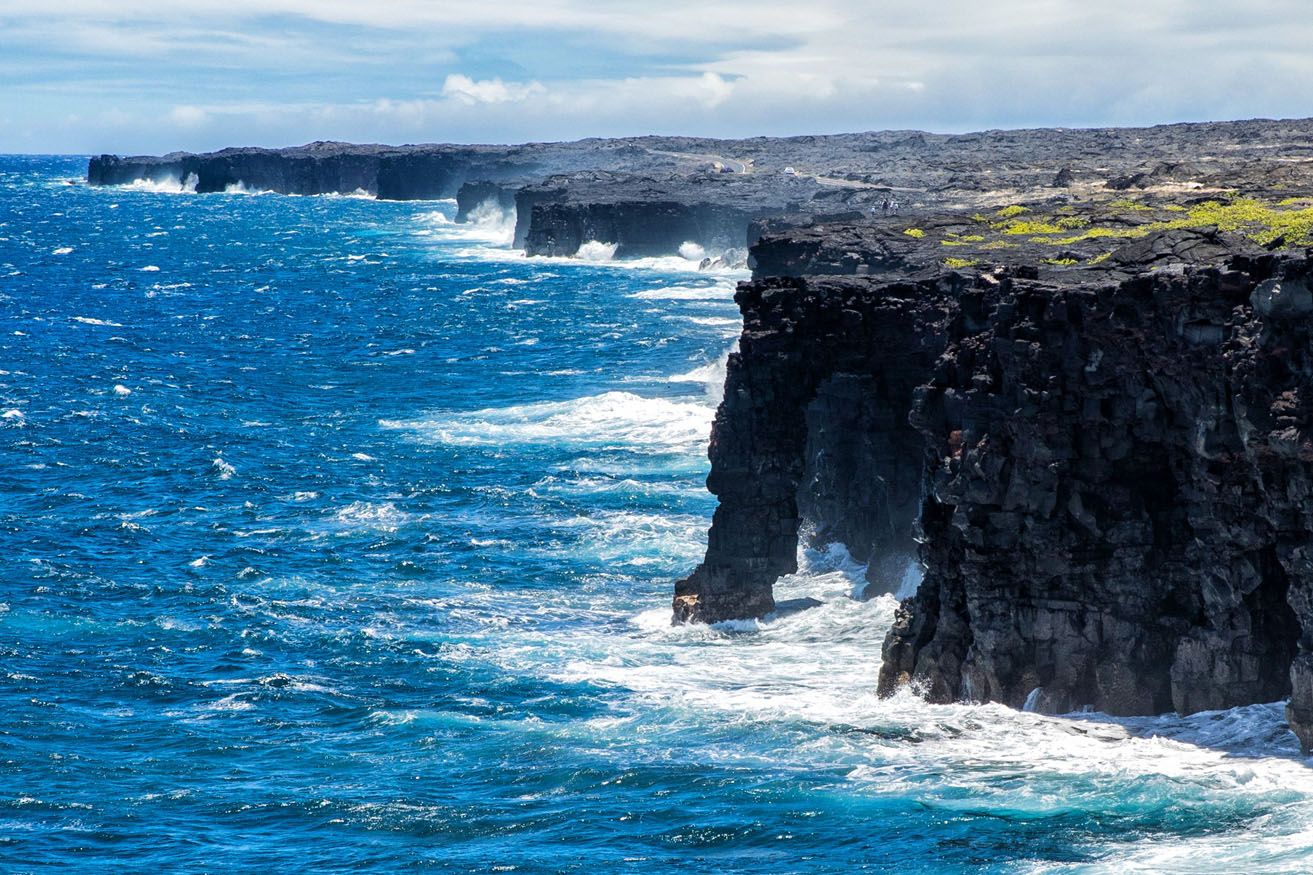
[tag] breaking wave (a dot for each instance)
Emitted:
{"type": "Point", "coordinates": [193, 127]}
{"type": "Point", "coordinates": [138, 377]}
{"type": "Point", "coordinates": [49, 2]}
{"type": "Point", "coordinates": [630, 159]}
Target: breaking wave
{"type": "Point", "coordinates": [164, 185]}
{"type": "Point", "coordinates": [609, 419]}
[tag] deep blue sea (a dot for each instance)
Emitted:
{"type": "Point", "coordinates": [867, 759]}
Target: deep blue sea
{"type": "Point", "coordinates": [337, 537]}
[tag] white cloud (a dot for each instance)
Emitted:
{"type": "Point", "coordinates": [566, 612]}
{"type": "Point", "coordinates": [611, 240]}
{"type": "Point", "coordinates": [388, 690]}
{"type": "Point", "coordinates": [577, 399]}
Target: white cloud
{"type": "Point", "coordinates": [283, 71]}
{"type": "Point", "coordinates": [468, 91]}
{"type": "Point", "coordinates": [188, 116]}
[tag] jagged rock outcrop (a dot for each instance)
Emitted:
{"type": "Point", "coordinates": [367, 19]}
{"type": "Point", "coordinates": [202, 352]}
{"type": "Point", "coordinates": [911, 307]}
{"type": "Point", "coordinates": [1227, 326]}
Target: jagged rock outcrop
{"type": "Point", "coordinates": [782, 439]}
{"type": "Point", "coordinates": [1111, 466]}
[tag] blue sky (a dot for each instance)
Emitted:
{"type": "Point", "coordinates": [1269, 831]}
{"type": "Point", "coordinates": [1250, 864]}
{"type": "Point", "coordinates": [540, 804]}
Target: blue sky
{"type": "Point", "coordinates": [149, 75]}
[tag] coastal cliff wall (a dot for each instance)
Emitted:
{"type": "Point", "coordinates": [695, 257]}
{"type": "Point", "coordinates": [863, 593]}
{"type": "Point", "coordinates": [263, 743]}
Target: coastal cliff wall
{"type": "Point", "coordinates": [790, 435]}
{"type": "Point", "coordinates": [1113, 477]}
{"type": "Point", "coordinates": [638, 228]}
{"type": "Point", "coordinates": [389, 174]}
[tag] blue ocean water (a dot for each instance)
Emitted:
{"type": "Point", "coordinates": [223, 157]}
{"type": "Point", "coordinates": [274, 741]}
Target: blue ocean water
{"type": "Point", "coordinates": [337, 537]}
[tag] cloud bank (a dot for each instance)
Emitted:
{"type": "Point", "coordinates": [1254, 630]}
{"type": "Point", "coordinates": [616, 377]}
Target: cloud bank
{"type": "Point", "coordinates": [147, 75]}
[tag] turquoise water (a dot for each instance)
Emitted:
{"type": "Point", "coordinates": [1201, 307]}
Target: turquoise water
{"type": "Point", "coordinates": [335, 537]}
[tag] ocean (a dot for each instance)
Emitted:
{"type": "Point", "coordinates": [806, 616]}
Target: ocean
{"type": "Point", "coordinates": [335, 536]}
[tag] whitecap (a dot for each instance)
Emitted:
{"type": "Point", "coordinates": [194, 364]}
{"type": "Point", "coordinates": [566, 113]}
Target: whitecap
{"type": "Point", "coordinates": [716, 292]}
{"type": "Point", "coordinates": [692, 251]}
{"type": "Point", "coordinates": [612, 418]}
{"type": "Point", "coordinates": [240, 187]}
{"type": "Point", "coordinates": [164, 185]}
{"type": "Point", "coordinates": [371, 516]}
{"type": "Point", "coordinates": [596, 250]}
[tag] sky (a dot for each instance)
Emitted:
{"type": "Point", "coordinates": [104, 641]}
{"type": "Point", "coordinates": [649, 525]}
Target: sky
{"type": "Point", "coordinates": [148, 76]}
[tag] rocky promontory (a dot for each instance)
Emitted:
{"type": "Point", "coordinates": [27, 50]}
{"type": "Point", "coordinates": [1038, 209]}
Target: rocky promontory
{"type": "Point", "coordinates": [1087, 424]}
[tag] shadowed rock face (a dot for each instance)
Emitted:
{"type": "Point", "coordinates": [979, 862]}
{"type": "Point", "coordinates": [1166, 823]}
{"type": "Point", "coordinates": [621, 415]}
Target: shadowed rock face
{"type": "Point", "coordinates": [1111, 475]}
{"type": "Point", "coordinates": [1118, 483]}
{"type": "Point", "coordinates": [782, 439]}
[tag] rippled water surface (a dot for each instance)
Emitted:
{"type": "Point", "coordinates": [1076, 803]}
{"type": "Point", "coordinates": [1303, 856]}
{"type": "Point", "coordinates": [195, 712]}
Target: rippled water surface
{"type": "Point", "coordinates": [337, 537]}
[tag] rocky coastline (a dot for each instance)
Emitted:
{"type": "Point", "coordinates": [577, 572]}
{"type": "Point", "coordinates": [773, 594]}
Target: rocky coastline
{"type": "Point", "coordinates": [1064, 377]}
{"type": "Point", "coordinates": [1095, 444]}
{"type": "Point", "coordinates": [651, 195]}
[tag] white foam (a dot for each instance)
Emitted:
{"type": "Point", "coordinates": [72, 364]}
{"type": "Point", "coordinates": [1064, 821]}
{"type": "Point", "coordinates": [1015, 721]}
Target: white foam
{"type": "Point", "coordinates": [371, 516]}
{"type": "Point", "coordinates": [166, 185]}
{"type": "Point", "coordinates": [240, 187]}
{"type": "Point", "coordinates": [692, 251]}
{"type": "Point", "coordinates": [597, 251]}
{"type": "Point", "coordinates": [150, 268]}
{"type": "Point", "coordinates": [711, 375]}
{"type": "Point", "coordinates": [609, 419]}
{"type": "Point", "coordinates": [731, 323]}
{"type": "Point", "coordinates": [662, 263]}
{"type": "Point", "coordinates": [630, 538]}
{"type": "Point", "coordinates": [222, 469]}
{"type": "Point", "coordinates": [63, 250]}
{"type": "Point", "coordinates": [122, 391]}
{"type": "Point", "coordinates": [717, 292]}
{"type": "Point", "coordinates": [487, 224]}
{"type": "Point", "coordinates": [88, 320]}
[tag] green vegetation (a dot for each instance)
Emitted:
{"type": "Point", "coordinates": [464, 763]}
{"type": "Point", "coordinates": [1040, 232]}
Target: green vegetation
{"type": "Point", "coordinates": [1262, 223]}
{"type": "Point", "coordinates": [1272, 223]}
{"type": "Point", "coordinates": [1030, 226]}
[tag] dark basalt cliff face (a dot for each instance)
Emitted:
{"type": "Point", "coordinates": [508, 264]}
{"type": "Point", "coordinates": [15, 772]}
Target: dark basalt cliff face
{"type": "Point", "coordinates": [1109, 471]}
{"type": "Point", "coordinates": [647, 215]}
{"type": "Point", "coordinates": [814, 417]}
{"type": "Point", "coordinates": [406, 173]}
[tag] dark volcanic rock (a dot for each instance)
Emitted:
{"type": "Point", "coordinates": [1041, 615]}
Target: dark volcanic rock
{"type": "Point", "coordinates": [782, 437]}
{"type": "Point", "coordinates": [1113, 517]}
{"type": "Point", "coordinates": [1110, 474]}
{"type": "Point", "coordinates": [646, 215]}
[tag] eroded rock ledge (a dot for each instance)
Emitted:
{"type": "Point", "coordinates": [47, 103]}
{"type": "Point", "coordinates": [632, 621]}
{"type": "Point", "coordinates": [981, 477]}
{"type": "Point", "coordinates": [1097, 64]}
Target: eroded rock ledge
{"type": "Point", "coordinates": [1109, 469]}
